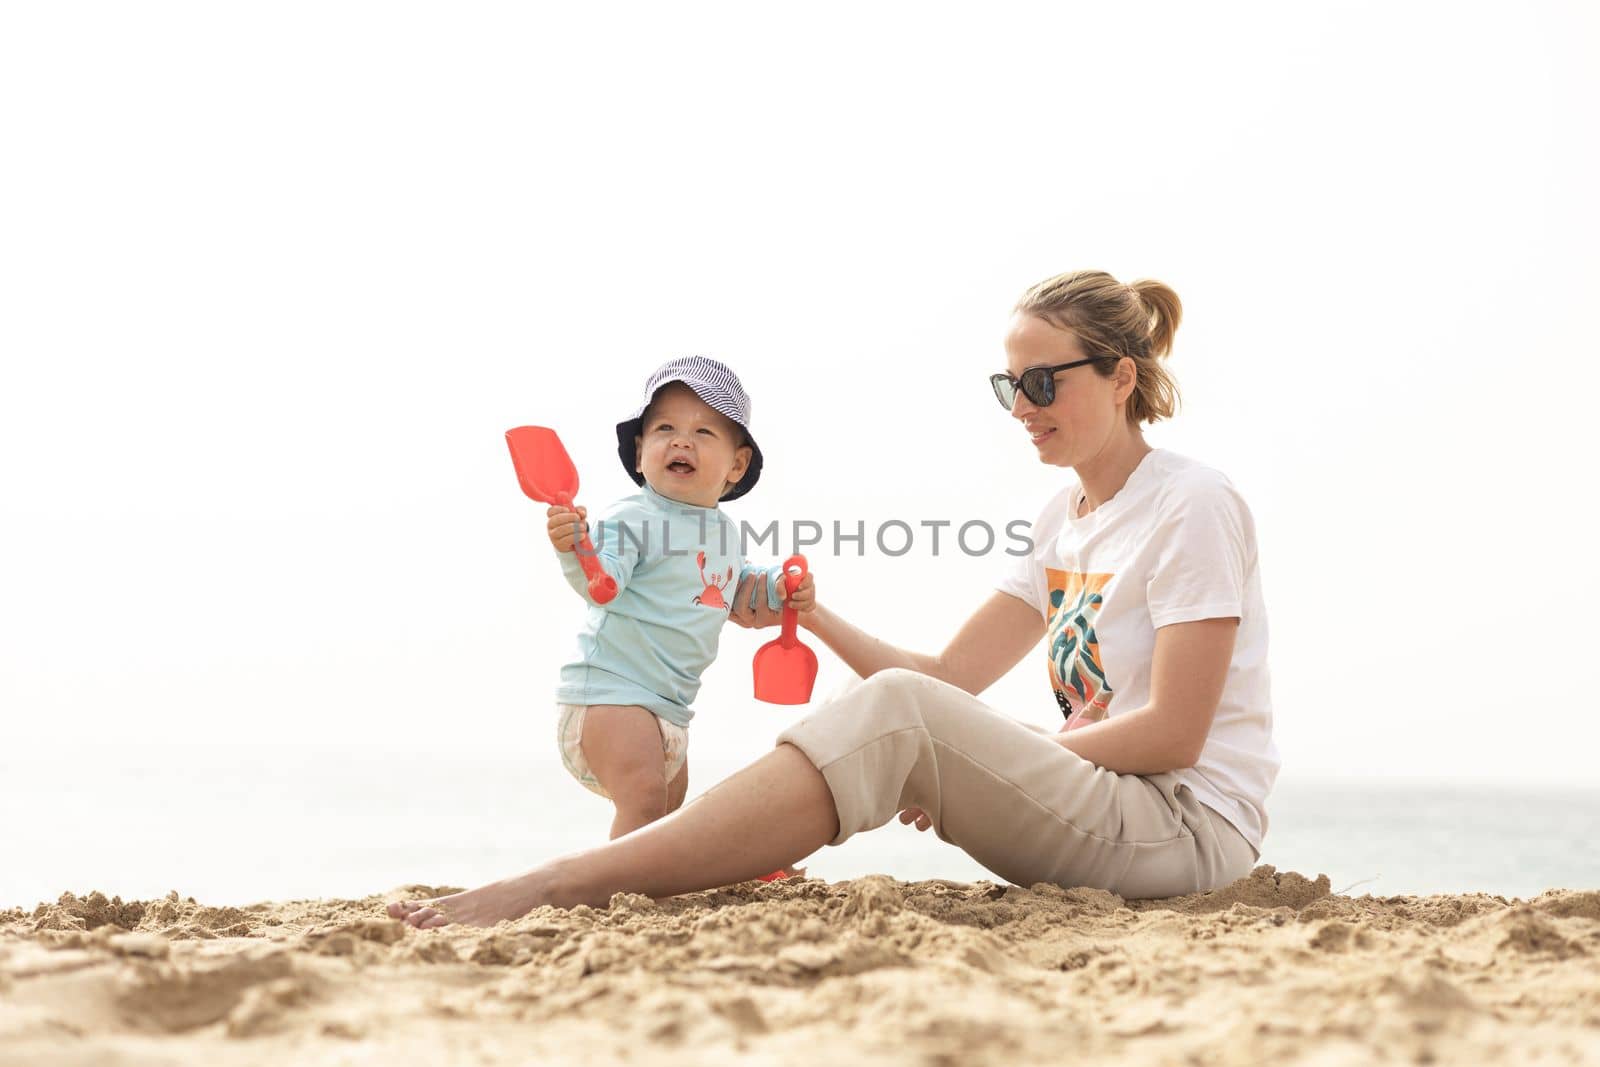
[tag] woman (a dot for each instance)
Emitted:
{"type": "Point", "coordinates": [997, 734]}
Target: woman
{"type": "Point", "coordinates": [1143, 580]}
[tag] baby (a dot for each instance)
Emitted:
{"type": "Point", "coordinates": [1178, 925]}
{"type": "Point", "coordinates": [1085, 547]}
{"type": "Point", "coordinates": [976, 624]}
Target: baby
{"type": "Point", "coordinates": [623, 704]}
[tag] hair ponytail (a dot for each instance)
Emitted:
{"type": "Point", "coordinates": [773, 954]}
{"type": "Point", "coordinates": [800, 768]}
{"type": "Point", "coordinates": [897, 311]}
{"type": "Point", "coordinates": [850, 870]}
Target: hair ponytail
{"type": "Point", "coordinates": [1166, 312]}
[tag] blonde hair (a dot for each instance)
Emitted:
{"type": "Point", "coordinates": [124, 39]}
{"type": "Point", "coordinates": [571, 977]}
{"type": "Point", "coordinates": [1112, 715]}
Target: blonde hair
{"type": "Point", "coordinates": [1112, 321]}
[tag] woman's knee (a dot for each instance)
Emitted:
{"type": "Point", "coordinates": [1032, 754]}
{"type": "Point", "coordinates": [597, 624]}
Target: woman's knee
{"type": "Point", "coordinates": [898, 684]}
{"type": "Point", "coordinates": [899, 697]}
{"type": "Point", "coordinates": [888, 700]}
{"type": "Point", "coordinates": [886, 705]}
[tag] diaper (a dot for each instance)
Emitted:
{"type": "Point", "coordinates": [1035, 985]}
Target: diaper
{"type": "Point", "coordinates": [569, 733]}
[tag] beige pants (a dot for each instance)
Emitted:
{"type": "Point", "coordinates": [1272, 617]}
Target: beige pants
{"type": "Point", "coordinates": [1008, 795]}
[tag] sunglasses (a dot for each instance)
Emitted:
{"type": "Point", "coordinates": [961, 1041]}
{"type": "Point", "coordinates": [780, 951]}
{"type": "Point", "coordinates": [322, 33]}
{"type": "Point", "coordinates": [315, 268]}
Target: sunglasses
{"type": "Point", "coordinates": [1038, 384]}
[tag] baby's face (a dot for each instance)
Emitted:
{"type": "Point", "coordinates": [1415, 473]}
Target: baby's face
{"type": "Point", "coordinates": [689, 451]}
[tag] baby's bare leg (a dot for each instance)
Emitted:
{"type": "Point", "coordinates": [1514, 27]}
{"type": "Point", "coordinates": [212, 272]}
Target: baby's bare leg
{"type": "Point", "coordinates": [678, 788]}
{"type": "Point", "coordinates": [623, 747]}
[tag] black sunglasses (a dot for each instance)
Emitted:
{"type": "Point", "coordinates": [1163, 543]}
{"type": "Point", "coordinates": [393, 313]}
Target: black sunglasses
{"type": "Point", "coordinates": [1038, 383]}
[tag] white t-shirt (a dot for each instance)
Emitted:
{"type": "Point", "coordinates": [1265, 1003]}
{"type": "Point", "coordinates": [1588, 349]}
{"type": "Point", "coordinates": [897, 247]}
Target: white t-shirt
{"type": "Point", "coordinates": [1175, 544]}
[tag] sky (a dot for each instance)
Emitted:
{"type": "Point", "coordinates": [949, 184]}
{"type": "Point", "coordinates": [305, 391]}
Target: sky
{"type": "Point", "coordinates": [274, 281]}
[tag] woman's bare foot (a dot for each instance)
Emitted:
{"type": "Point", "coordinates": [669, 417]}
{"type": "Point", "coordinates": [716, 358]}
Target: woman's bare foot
{"type": "Point", "coordinates": [510, 898]}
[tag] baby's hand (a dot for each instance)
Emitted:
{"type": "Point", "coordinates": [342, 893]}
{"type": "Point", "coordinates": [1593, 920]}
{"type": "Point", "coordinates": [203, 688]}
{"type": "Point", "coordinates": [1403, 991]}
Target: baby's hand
{"type": "Point", "coordinates": [804, 597]}
{"type": "Point", "coordinates": [749, 605]}
{"type": "Point", "coordinates": [565, 526]}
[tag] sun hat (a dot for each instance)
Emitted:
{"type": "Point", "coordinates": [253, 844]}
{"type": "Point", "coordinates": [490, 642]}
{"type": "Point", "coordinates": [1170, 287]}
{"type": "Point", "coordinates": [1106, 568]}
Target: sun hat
{"type": "Point", "coordinates": [713, 383]}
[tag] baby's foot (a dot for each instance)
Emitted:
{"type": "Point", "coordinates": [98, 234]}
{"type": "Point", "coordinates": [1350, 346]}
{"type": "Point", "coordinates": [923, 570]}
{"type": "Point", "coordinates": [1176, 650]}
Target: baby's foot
{"type": "Point", "coordinates": [484, 906]}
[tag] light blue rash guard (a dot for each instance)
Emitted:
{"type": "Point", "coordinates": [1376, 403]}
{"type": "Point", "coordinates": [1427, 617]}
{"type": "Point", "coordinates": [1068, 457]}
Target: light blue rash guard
{"type": "Point", "coordinates": [677, 567]}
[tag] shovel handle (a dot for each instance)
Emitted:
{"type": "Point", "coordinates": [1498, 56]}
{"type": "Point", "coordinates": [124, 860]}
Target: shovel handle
{"type": "Point", "coordinates": [791, 582]}
{"type": "Point", "coordinates": [602, 587]}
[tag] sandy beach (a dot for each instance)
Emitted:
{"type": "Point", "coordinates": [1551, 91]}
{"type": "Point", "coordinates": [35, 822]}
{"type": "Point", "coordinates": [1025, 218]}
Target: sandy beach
{"type": "Point", "coordinates": [1274, 968]}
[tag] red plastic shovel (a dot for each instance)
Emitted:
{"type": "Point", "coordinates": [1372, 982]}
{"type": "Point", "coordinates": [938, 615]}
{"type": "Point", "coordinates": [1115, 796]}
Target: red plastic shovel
{"type": "Point", "coordinates": [546, 474]}
{"type": "Point", "coordinates": [785, 669]}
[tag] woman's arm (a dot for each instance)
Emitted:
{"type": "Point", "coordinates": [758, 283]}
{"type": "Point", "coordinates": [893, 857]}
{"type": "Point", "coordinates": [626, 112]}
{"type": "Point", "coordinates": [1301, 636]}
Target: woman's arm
{"type": "Point", "coordinates": [991, 642]}
{"type": "Point", "coordinates": [1186, 679]}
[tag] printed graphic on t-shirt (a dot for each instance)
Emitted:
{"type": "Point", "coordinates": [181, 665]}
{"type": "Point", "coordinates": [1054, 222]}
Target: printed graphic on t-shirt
{"type": "Point", "coordinates": [711, 595]}
{"type": "Point", "coordinates": [1076, 673]}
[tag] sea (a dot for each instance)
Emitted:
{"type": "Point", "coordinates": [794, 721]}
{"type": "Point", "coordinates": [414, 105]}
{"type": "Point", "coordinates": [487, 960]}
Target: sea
{"type": "Point", "coordinates": [241, 824]}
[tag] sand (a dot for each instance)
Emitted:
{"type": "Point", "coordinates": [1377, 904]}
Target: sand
{"type": "Point", "coordinates": [1273, 969]}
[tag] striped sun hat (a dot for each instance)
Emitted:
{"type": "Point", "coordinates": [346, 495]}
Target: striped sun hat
{"type": "Point", "coordinates": [712, 382]}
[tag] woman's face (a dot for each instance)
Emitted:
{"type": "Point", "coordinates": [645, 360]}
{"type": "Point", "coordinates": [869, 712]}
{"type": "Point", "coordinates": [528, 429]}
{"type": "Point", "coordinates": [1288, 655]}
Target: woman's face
{"type": "Point", "coordinates": [1088, 409]}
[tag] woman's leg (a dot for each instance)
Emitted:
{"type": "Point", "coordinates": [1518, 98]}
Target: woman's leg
{"type": "Point", "coordinates": [770, 815]}
{"type": "Point", "coordinates": [1008, 795]}
{"type": "Point", "coordinates": [1011, 797]}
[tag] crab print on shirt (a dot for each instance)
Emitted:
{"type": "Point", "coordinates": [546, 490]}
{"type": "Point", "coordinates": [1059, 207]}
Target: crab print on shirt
{"type": "Point", "coordinates": [1076, 673]}
{"type": "Point", "coordinates": [711, 595]}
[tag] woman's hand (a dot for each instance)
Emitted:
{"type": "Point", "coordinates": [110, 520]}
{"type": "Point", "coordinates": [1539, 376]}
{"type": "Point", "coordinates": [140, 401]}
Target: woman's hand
{"type": "Point", "coordinates": [758, 616]}
{"type": "Point", "coordinates": [918, 816]}
{"type": "Point", "coordinates": [1187, 675]}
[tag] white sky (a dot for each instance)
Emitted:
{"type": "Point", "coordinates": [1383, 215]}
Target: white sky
{"type": "Point", "coordinates": [274, 280]}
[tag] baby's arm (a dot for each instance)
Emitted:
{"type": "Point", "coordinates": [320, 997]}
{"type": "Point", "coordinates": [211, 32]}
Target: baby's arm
{"type": "Point", "coordinates": [617, 545]}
